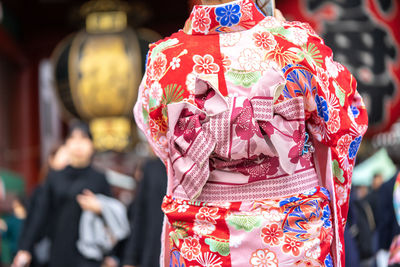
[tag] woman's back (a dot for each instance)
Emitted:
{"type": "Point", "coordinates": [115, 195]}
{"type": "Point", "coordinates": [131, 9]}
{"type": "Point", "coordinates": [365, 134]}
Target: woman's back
{"type": "Point", "coordinates": [250, 113]}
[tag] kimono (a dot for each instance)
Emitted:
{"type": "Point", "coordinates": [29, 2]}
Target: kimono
{"type": "Point", "coordinates": [259, 128]}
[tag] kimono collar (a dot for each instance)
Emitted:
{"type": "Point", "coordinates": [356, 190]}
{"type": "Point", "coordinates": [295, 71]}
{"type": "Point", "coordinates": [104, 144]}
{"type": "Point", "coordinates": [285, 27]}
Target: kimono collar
{"type": "Point", "coordinates": [229, 17]}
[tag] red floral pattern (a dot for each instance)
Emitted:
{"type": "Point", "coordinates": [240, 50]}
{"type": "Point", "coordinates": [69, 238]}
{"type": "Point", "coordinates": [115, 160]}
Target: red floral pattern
{"type": "Point", "coordinates": [271, 234]}
{"type": "Point", "coordinates": [292, 246]}
{"type": "Point", "coordinates": [233, 62]}
{"type": "Point", "coordinates": [264, 40]}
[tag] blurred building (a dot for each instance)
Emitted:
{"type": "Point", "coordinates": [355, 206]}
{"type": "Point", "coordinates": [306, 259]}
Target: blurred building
{"type": "Point", "coordinates": [31, 118]}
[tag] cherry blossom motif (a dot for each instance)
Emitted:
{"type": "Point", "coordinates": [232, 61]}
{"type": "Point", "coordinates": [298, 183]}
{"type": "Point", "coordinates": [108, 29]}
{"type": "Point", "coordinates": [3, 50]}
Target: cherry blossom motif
{"type": "Point", "coordinates": [344, 144]}
{"type": "Point", "coordinates": [331, 67]}
{"type": "Point", "coordinates": [292, 246]}
{"type": "Point", "coordinates": [208, 214]}
{"type": "Point", "coordinates": [201, 20]}
{"type": "Point", "coordinates": [341, 193]}
{"type": "Point", "coordinates": [158, 66]}
{"type": "Point", "coordinates": [187, 125]}
{"type": "Point", "coordinates": [156, 92]}
{"type": "Point", "coordinates": [265, 40]}
{"type": "Point", "coordinates": [245, 8]}
{"type": "Point", "coordinates": [303, 25]}
{"type": "Point", "coordinates": [260, 169]}
{"type": "Point", "coordinates": [191, 248]}
{"type": "Point", "coordinates": [200, 99]}
{"type": "Point", "coordinates": [205, 65]}
{"type": "Point", "coordinates": [251, 60]}
{"type": "Point", "coordinates": [242, 117]}
{"type": "Point", "coordinates": [226, 62]}
{"type": "Point", "coordinates": [183, 208]}
{"type": "Point", "coordinates": [145, 98]}
{"type": "Point", "coordinates": [154, 127]}
{"type": "Point", "coordinates": [296, 151]}
{"type": "Point", "coordinates": [298, 36]}
{"type": "Point", "coordinates": [202, 228]}
{"type": "Point", "coordinates": [175, 63]}
{"type": "Point", "coordinates": [313, 248]}
{"type": "Point", "coordinates": [191, 82]}
{"type": "Point", "coordinates": [270, 22]}
{"type": "Point", "coordinates": [272, 215]}
{"type": "Point", "coordinates": [229, 39]}
{"type": "Point", "coordinates": [322, 79]}
{"type": "Point", "coordinates": [334, 121]}
{"type": "Point", "coordinates": [271, 234]}
{"type": "Point", "coordinates": [263, 258]}
{"type": "Point", "coordinates": [339, 66]}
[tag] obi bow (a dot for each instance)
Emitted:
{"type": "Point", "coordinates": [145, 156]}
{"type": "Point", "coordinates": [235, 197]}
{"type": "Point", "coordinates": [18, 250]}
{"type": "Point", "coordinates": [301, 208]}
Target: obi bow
{"type": "Point", "coordinates": [233, 128]}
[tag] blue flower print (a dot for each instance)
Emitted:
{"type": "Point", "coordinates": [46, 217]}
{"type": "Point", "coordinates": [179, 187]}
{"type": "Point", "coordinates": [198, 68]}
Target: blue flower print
{"type": "Point", "coordinates": [328, 261]}
{"type": "Point", "coordinates": [326, 192]}
{"type": "Point", "coordinates": [355, 111]}
{"type": "Point", "coordinates": [354, 146]}
{"type": "Point", "coordinates": [322, 107]}
{"type": "Point", "coordinates": [228, 15]}
{"type": "Point", "coordinates": [326, 216]}
{"type": "Point", "coordinates": [288, 200]}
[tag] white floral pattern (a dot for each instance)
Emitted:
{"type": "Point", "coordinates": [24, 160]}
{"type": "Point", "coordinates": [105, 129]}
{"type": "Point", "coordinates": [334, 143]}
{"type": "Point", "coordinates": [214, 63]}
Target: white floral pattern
{"type": "Point", "coordinates": [263, 258]}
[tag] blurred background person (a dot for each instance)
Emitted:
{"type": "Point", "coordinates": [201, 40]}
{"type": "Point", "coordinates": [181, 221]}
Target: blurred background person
{"type": "Point", "coordinates": [64, 195]}
{"type": "Point", "coordinates": [57, 161]}
{"type": "Point", "coordinates": [143, 247]}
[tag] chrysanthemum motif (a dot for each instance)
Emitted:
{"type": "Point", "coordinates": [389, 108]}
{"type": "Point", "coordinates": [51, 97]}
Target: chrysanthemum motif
{"type": "Point", "coordinates": [158, 66]}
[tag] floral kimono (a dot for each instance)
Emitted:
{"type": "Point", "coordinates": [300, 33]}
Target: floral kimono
{"type": "Point", "coordinates": [259, 129]}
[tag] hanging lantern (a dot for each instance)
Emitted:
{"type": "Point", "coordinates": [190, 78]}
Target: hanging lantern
{"type": "Point", "coordinates": [98, 71]}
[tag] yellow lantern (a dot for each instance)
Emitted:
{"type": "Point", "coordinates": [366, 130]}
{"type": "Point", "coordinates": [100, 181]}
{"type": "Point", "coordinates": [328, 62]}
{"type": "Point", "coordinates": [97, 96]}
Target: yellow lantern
{"type": "Point", "coordinates": [98, 71]}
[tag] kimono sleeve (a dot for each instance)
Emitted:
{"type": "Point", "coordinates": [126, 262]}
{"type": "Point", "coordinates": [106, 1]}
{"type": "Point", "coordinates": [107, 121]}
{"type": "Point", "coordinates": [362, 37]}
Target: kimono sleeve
{"type": "Point", "coordinates": [339, 118]}
{"type": "Point", "coordinates": [336, 120]}
{"type": "Point", "coordinates": [146, 119]}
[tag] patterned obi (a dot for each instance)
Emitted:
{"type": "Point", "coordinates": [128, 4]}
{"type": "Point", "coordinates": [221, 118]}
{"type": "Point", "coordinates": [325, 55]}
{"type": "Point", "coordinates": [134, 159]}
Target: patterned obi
{"type": "Point", "coordinates": [240, 148]}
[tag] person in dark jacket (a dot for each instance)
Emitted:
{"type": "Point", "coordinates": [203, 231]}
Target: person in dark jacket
{"type": "Point", "coordinates": [64, 195]}
{"type": "Point", "coordinates": [387, 227]}
{"type": "Point", "coordinates": [144, 245]}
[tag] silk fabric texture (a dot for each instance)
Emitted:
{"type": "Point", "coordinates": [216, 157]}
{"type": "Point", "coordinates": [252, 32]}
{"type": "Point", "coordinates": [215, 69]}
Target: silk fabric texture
{"type": "Point", "coordinates": [228, 54]}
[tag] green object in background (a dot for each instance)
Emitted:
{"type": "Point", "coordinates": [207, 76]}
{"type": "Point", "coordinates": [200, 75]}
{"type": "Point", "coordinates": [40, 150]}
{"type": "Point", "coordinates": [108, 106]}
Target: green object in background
{"type": "Point", "coordinates": [13, 183]}
{"type": "Point", "coordinates": [9, 239]}
{"type": "Point", "coordinates": [380, 162]}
